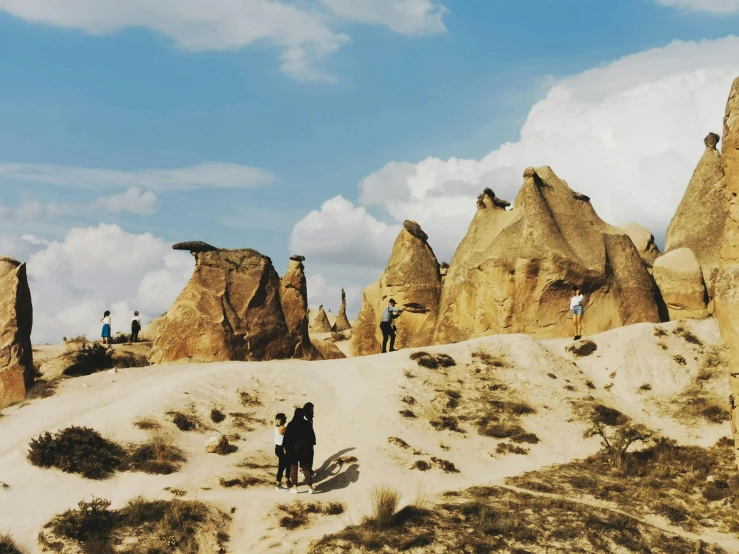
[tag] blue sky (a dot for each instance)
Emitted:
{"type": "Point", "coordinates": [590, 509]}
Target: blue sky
{"type": "Point", "coordinates": [108, 95]}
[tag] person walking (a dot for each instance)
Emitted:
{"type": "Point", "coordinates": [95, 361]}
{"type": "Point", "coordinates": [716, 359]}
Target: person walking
{"type": "Point", "coordinates": [135, 327]}
{"type": "Point", "coordinates": [386, 325]}
{"type": "Point", "coordinates": [298, 441]}
{"type": "Point", "coordinates": [107, 327]}
{"type": "Point", "coordinates": [577, 310]}
{"type": "Point", "coordinates": [283, 465]}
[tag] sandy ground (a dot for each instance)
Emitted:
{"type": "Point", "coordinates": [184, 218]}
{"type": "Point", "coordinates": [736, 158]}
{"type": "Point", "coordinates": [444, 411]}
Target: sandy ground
{"type": "Point", "coordinates": [357, 409]}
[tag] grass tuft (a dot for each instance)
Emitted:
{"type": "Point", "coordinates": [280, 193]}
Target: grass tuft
{"type": "Point", "coordinates": [432, 361]}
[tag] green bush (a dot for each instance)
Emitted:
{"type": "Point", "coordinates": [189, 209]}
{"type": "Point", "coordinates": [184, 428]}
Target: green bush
{"type": "Point", "coordinates": [76, 450]}
{"type": "Point", "coordinates": [91, 358]}
{"type": "Point", "coordinates": [91, 521]}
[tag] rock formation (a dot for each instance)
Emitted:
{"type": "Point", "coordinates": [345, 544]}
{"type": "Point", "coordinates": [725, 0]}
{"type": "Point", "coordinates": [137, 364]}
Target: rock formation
{"type": "Point", "coordinates": [321, 323]}
{"type": "Point", "coordinates": [229, 310]}
{"type": "Point", "coordinates": [699, 221]}
{"type": "Point", "coordinates": [16, 321]}
{"type": "Point", "coordinates": [680, 280]}
{"type": "Point", "coordinates": [643, 240]}
{"type": "Point", "coordinates": [727, 282]}
{"type": "Point", "coordinates": [514, 270]}
{"type": "Point", "coordinates": [413, 279]}
{"type": "Point", "coordinates": [294, 299]}
{"type": "Point", "coordinates": [342, 322]}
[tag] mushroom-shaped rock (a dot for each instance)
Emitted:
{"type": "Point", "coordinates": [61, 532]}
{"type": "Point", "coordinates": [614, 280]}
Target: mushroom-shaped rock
{"type": "Point", "coordinates": [699, 221]}
{"type": "Point", "coordinates": [680, 280]}
{"type": "Point", "coordinates": [643, 240]}
{"type": "Point", "coordinates": [16, 321]}
{"type": "Point", "coordinates": [514, 270]}
{"type": "Point", "coordinates": [413, 280]}
{"type": "Point", "coordinates": [494, 200]}
{"type": "Point", "coordinates": [342, 322]}
{"type": "Point", "coordinates": [229, 310]}
{"type": "Point", "coordinates": [294, 300]}
{"type": "Point", "coordinates": [194, 246]}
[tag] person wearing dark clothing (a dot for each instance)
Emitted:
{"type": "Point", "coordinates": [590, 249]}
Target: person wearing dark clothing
{"type": "Point", "coordinates": [299, 440]}
{"type": "Point", "coordinates": [387, 327]}
{"type": "Point", "coordinates": [283, 465]}
{"type": "Point", "coordinates": [135, 327]}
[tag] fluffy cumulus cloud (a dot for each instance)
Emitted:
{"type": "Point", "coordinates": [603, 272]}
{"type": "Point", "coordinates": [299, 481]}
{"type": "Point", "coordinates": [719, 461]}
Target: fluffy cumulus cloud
{"type": "Point", "coordinates": [627, 134]}
{"type": "Point", "coordinates": [304, 32]}
{"type": "Point", "coordinates": [711, 6]}
{"type": "Point", "coordinates": [97, 268]}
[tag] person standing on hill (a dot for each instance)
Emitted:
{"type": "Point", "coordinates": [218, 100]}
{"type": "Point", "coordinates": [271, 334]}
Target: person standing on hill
{"type": "Point", "coordinates": [135, 327]}
{"type": "Point", "coordinates": [298, 441]}
{"type": "Point", "coordinates": [107, 327]}
{"type": "Point", "coordinates": [577, 310]}
{"type": "Point", "coordinates": [386, 325]}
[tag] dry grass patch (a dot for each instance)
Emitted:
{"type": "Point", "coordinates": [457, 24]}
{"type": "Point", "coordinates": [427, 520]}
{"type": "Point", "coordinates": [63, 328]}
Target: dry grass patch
{"type": "Point", "coordinates": [8, 545]}
{"type": "Point", "coordinates": [249, 399]}
{"type": "Point", "coordinates": [582, 348]}
{"type": "Point", "coordinates": [432, 361]}
{"type": "Point", "coordinates": [142, 526]}
{"type": "Point", "coordinates": [400, 443]}
{"type": "Point", "coordinates": [41, 388]}
{"type": "Point", "coordinates": [243, 481]}
{"type": "Point", "coordinates": [184, 422]}
{"type": "Point", "coordinates": [682, 331]}
{"type": "Point", "coordinates": [216, 416]}
{"type": "Point", "coordinates": [158, 456]}
{"type": "Point", "coordinates": [146, 423]}
{"type": "Point", "coordinates": [299, 514]}
{"type": "Point", "coordinates": [408, 414]}
{"type": "Point", "coordinates": [659, 332]}
{"type": "Point", "coordinates": [488, 359]}
{"type": "Point", "coordinates": [505, 448]}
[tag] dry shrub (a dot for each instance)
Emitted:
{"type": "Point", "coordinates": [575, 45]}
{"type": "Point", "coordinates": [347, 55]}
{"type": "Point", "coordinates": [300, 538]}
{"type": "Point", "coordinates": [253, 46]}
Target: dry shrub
{"type": "Point", "coordinates": [159, 455]}
{"type": "Point", "coordinates": [507, 431]}
{"type": "Point", "coordinates": [590, 385]}
{"type": "Point", "coordinates": [645, 387]}
{"type": "Point", "coordinates": [488, 359]}
{"type": "Point", "coordinates": [551, 375]}
{"type": "Point", "coordinates": [146, 423]}
{"type": "Point", "coordinates": [408, 400]}
{"type": "Point", "coordinates": [90, 358]}
{"type": "Point", "coordinates": [156, 526]}
{"type": "Point", "coordinates": [400, 443]}
{"type": "Point", "coordinates": [216, 416]}
{"type": "Point", "coordinates": [615, 442]}
{"type": "Point", "coordinates": [384, 506]}
{"type": "Point", "coordinates": [679, 359]}
{"type": "Point", "coordinates": [129, 359]}
{"type": "Point", "coordinates": [242, 481]}
{"type": "Point", "coordinates": [445, 465]}
{"type": "Point", "coordinates": [408, 374]}
{"type": "Point", "coordinates": [183, 422]}
{"type": "Point", "coordinates": [715, 414]}
{"type": "Point", "coordinates": [446, 423]}
{"type": "Point", "coordinates": [504, 448]}
{"type": "Point", "coordinates": [8, 545]}
{"type": "Point", "coordinates": [248, 399]}
{"type": "Point", "coordinates": [432, 361]}
{"type": "Point", "coordinates": [76, 450]}
{"type": "Point", "coordinates": [582, 348]}
{"type": "Point", "coordinates": [408, 414]}
{"type": "Point", "coordinates": [659, 332]}
{"type": "Point", "coordinates": [421, 465]}
{"type": "Point", "coordinates": [687, 334]}
{"type": "Point", "coordinates": [41, 388]}
{"type": "Point", "coordinates": [299, 513]}
{"type": "Point", "coordinates": [608, 416]}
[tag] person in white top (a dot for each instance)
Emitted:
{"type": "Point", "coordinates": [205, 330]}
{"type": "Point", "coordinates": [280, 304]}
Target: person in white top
{"type": "Point", "coordinates": [107, 327]}
{"type": "Point", "coordinates": [282, 462]}
{"type": "Point", "coordinates": [576, 309]}
{"type": "Point", "coordinates": [135, 327]}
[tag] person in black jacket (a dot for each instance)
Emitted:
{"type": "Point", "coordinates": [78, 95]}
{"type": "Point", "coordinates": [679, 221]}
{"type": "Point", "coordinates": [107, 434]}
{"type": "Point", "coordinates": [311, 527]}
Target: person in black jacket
{"type": "Point", "coordinates": [298, 442]}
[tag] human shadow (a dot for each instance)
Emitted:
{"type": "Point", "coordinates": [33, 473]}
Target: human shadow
{"type": "Point", "coordinates": [336, 473]}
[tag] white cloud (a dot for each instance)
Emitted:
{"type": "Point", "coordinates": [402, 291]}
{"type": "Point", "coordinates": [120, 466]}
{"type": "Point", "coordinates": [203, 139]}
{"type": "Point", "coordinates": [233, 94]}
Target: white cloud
{"type": "Point", "coordinates": [97, 268]}
{"type": "Point", "coordinates": [408, 17]}
{"type": "Point", "coordinates": [134, 200]}
{"type": "Point", "coordinates": [205, 175]}
{"type": "Point", "coordinates": [301, 30]}
{"type": "Point", "coordinates": [341, 232]}
{"type": "Point", "coordinates": [628, 134]}
{"type": "Point", "coordinates": [711, 6]}
{"type": "Point", "coordinates": [327, 293]}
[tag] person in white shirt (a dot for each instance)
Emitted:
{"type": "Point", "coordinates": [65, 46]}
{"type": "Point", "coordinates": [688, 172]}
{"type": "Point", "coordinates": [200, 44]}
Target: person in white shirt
{"type": "Point", "coordinates": [135, 327]}
{"type": "Point", "coordinates": [107, 327]}
{"type": "Point", "coordinates": [576, 309]}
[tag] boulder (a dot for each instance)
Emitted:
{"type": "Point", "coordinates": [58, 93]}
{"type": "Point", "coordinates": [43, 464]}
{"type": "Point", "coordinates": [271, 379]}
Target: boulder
{"type": "Point", "coordinates": [150, 330]}
{"type": "Point", "coordinates": [229, 310]}
{"type": "Point", "coordinates": [643, 240]}
{"type": "Point", "coordinates": [514, 270]}
{"type": "Point", "coordinates": [321, 323]}
{"type": "Point", "coordinates": [413, 279]}
{"type": "Point", "coordinates": [699, 221]}
{"type": "Point", "coordinates": [680, 280]}
{"type": "Point", "coordinates": [327, 350]}
{"type": "Point", "coordinates": [342, 322]}
{"type": "Point", "coordinates": [727, 282]}
{"type": "Point", "coordinates": [16, 321]}
{"type": "Point", "coordinates": [215, 443]}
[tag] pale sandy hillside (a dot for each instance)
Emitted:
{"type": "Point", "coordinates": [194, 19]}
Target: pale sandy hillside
{"type": "Point", "coordinates": [380, 420]}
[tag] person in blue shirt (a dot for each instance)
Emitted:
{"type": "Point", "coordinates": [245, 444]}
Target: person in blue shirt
{"type": "Point", "coordinates": [386, 325]}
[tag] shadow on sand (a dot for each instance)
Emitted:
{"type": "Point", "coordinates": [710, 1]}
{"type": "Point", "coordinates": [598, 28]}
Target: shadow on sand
{"type": "Point", "coordinates": [335, 474]}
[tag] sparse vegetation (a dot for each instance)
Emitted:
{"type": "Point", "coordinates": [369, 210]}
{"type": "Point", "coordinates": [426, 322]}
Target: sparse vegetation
{"type": "Point", "coordinates": [444, 465]}
{"type": "Point", "coordinates": [242, 481]}
{"type": "Point", "coordinates": [487, 358]}
{"type": "Point", "coordinates": [506, 431]}
{"type": "Point", "coordinates": [146, 423]}
{"type": "Point", "coordinates": [248, 399]}
{"type": "Point", "coordinates": [408, 414]}
{"type": "Point", "coordinates": [679, 359]}
{"type": "Point", "coordinates": [682, 331]}
{"type": "Point", "coordinates": [41, 388]}
{"type": "Point", "coordinates": [504, 448]}
{"type": "Point", "coordinates": [150, 526]}
{"type": "Point", "coordinates": [400, 443]}
{"type": "Point", "coordinates": [384, 506]}
{"type": "Point", "coordinates": [608, 416]}
{"type": "Point", "coordinates": [182, 421]}
{"type": "Point", "coordinates": [659, 332]}
{"type": "Point", "coordinates": [645, 387]}
{"type": "Point", "coordinates": [299, 514]}
{"type": "Point", "coordinates": [90, 358]}
{"type": "Point", "coordinates": [432, 361]}
{"type": "Point", "coordinates": [408, 374]}
{"type": "Point", "coordinates": [340, 336]}
{"type": "Point", "coordinates": [216, 416]}
{"type": "Point", "coordinates": [421, 465]}
{"type": "Point", "coordinates": [446, 423]}
{"type": "Point", "coordinates": [551, 375]}
{"type": "Point", "coordinates": [409, 400]}
{"type": "Point", "coordinates": [582, 348]}
{"type": "Point", "coordinates": [76, 450]}
{"type": "Point", "coordinates": [158, 455]}
{"type": "Point", "coordinates": [8, 545]}
{"type": "Point", "coordinates": [590, 385]}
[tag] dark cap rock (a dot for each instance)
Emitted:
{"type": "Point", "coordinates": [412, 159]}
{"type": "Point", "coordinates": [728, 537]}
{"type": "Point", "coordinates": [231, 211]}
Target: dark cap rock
{"type": "Point", "coordinates": [711, 140]}
{"type": "Point", "coordinates": [415, 229]}
{"type": "Point", "coordinates": [297, 258]}
{"type": "Point", "coordinates": [194, 246]}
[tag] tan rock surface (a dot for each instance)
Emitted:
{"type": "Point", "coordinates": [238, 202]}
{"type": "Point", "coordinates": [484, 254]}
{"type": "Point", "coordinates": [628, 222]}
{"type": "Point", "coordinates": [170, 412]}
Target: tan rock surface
{"type": "Point", "coordinates": [699, 221]}
{"type": "Point", "coordinates": [294, 299]}
{"type": "Point", "coordinates": [727, 283]}
{"type": "Point", "coordinates": [513, 271]}
{"type": "Point", "coordinates": [229, 310]}
{"type": "Point", "coordinates": [680, 280]}
{"type": "Point", "coordinates": [16, 321]}
{"type": "Point", "coordinates": [413, 279]}
{"type": "Point", "coordinates": [321, 323]}
{"type": "Point", "coordinates": [342, 322]}
{"type": "Point", "coordinates": [643, 240]}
